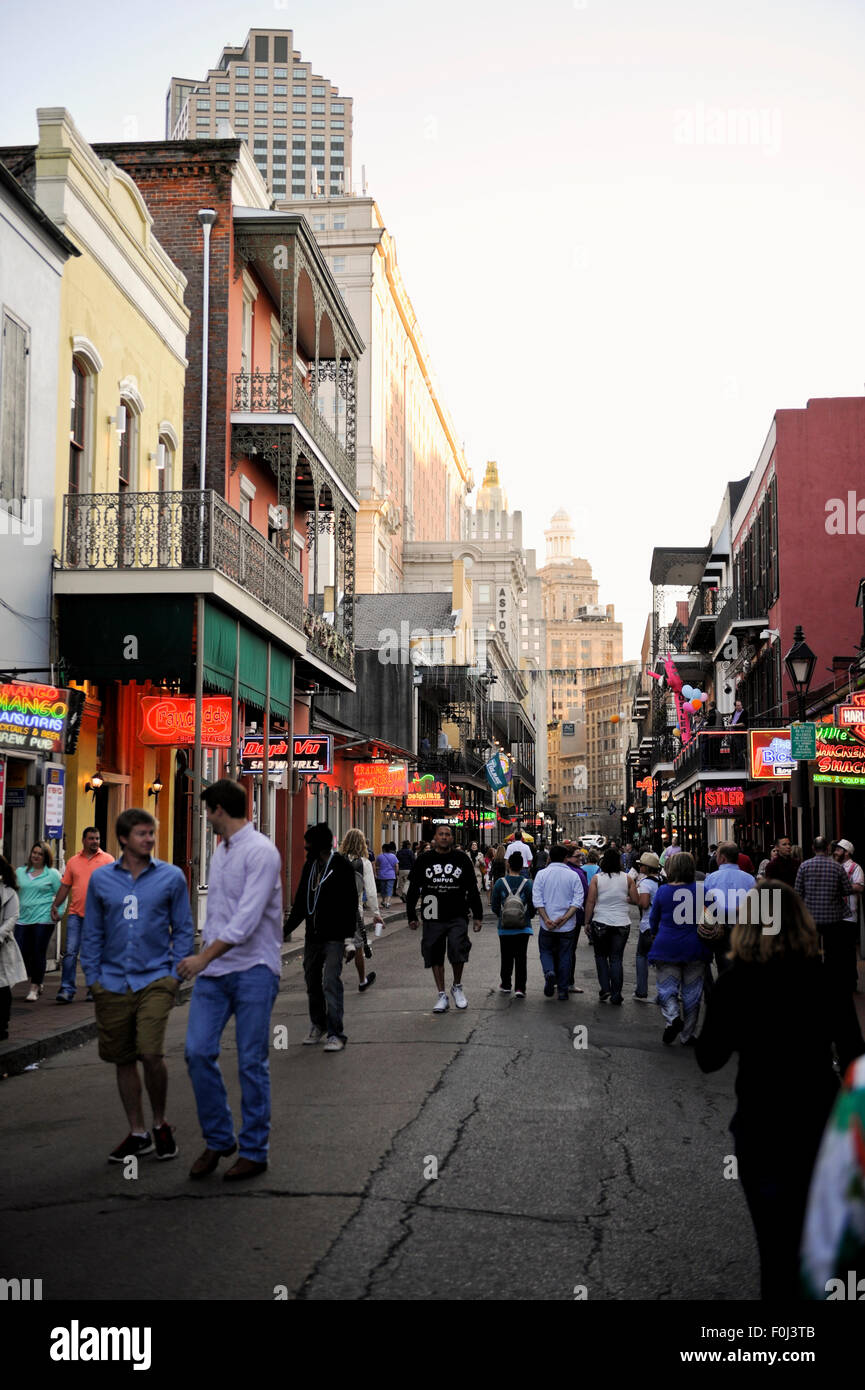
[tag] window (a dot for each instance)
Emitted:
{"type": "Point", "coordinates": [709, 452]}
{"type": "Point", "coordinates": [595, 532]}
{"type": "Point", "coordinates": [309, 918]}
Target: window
{"type": "Point", "coordinates": [299, 108]}
{"type": "Point", "coordinates": [483, 593]}
{"type": "Point", "coordinates": [338, 222]}
{"type": "Point", "coordinates": [241, 89]}
{"type": "Point", "coordinates": [80, 432]}
{"type": "Point", "coordinates": [279, 124]}
{"type": "Point", "coordinates": [165, 455]}
{"type": "Point", "coordinates": [222, 89]}
{"type": "Point", "coordinates": [280, 106]}
{"type": "Point", "coordinates": [261, 72]}
{"type": "Point", "coordinates": [280, 91]}
{"type": "Point", "coordinates": [223, 106]}
{"type": "Point", "coordinates": [337, 108]}
{"type": "Point", "coordinates": [261, 89]}
{"type": "Point", "coordinates": [280, 48]}
{"type": "Point", "coordinates": [318, 108]}
{"type": "Point", "coordinates": [261, 106]}
{"type": "Point", "coordinates": [336, 161]}
{"type": "Point", "coordinates": [317, 159]}
{"type": "Point", "coordinates": [339, 263]}
{"type": "Point", "coordinates": [203, 105]}
{"type": "Point", "coordinates": [241, 72]}
{"type": "Point", "coordinates": [337, 142]}
{"type": "Point", "coordinates": [318, 222]}
{"type": "Point", "coordinates": [316, 143]}
{"type": "Point", "coordinates": [317, 125]}
{"type": "Point", "coordinates": [337, 125]}
{"type": "Point", "coordinates": [262, 48]}
{"type": "Point", "coordinates": [298, 125]}
{"type": "Point", "coordinates": [280, 72]}
{"type": "Point", "coordinates": [241, 106]}
{"type": "Point", "coordinates": [298, 92]}
{"type": "Point", "coordinates": [279, 142]}
{"type": "Point", "coordinates": [318, 91]}
{"type": "Point", "coordinates": [300, 74]}
{"type": "Point", "coordinates": [241, 122]}
{"type": "Point", "coordinates": [260, 121]}
{"type": "Point", "coordinates": [128, 475]}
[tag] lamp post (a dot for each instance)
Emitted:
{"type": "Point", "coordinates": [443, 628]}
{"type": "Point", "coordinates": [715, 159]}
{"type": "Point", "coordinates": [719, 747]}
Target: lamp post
{"type": "Point", "coordinates": [800, 662]}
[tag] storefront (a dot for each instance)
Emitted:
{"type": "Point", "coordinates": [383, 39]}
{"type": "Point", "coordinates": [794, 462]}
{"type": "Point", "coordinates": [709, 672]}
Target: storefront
{"type": "Point", "coordinates": [39, 724]}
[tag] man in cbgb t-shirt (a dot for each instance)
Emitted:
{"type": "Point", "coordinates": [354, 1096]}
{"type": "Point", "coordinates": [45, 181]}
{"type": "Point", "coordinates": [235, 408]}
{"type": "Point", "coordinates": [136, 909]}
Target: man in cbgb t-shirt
{"type": "Point", "coordinates": [443, 883]}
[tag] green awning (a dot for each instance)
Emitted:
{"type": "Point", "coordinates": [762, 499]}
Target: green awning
{"type": "Point", "coordinates": [219, 652]}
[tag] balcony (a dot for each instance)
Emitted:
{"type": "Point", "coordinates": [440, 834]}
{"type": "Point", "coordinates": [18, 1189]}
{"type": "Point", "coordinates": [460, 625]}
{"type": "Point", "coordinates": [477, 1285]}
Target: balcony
{"type": "Point", "coordinates": [717, 752]}
{"type": "Point", "coordinates": [323, 641]}
{"type": "Point", "coordinates": [277, 394]}
{"type": "Point", "coordinates": [178, 532]}
{"type": "Point", "coordinates": [705, 604]}
{"type": "Point", "coordinates": [742, 610]}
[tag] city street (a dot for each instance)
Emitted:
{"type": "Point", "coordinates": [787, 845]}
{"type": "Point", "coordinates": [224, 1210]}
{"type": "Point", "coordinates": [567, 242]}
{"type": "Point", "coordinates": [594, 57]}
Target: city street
{"type": "Point", "coordinates": [560, 1169]}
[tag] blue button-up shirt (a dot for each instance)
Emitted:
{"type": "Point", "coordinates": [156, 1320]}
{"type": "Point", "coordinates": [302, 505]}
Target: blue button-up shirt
{"type": "Point", "coordinates": [726, 889]}
{"type": "Point", "coordinates": [244, 903]}
{"type": "Point", "coordinates": [136, 930]}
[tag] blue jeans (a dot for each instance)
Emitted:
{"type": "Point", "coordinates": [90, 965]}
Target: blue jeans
{"type": "Point", "coordinates": [74, 924]}
{"type": "Point", "coordinates": [249, 995]}
{"type": "Point", "coordinates": [608, 960]}
{"type": "Point", "coordinates": [322, 969]}
{"type": "Point", "coordinates": [644, 946]}
{"type": "Point", "coordinates": [556, 950]}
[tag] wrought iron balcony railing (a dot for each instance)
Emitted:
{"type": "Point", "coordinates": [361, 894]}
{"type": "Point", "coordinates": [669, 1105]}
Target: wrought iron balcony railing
{"type": "Point", "coordinates": [751, 606]}
{"type": "Point", "coordinates": [713, 750]}
{"type": "Point", "coordinates": [188, 530]}
{"type": "Point", "coordinates": [325, 642]}
{"type": "Point", "coordinates": [277, 393]}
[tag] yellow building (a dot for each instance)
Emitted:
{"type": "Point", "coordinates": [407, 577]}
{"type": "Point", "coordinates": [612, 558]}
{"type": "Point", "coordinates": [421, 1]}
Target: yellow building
{"type": "Point", "coordinates": [123, 325]}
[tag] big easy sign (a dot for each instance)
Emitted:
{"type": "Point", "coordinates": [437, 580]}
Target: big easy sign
{"type": "Point", "coordinates": [840, 754]}
{"type": "Point", "coordinates": [169, 721]}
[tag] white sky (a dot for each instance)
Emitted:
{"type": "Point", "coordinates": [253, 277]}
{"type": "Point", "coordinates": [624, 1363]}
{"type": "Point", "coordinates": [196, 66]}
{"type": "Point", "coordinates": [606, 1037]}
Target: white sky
{"type": "Point", "coordinates": [615, 302]}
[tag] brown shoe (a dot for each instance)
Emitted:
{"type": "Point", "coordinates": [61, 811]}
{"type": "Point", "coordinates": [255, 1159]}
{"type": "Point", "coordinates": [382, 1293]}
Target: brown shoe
{"type": "Point", "coordinates": [209, 1161]}
{"type": "Point", "coordinates": [244, 1168]}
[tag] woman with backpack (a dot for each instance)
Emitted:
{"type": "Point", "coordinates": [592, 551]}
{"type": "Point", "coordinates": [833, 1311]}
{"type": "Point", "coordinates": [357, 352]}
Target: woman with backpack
{"type": "Point", "coordinates": [354, 848]}
{"type": "Point", "coordinates": [511, 901]}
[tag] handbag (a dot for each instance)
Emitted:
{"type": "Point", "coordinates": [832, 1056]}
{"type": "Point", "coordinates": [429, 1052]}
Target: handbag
{"type": "Point", "coordinates": [13, 971]}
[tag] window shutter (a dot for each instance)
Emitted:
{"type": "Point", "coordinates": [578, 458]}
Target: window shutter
{"type": "Point", "coordinates": [13, 408]}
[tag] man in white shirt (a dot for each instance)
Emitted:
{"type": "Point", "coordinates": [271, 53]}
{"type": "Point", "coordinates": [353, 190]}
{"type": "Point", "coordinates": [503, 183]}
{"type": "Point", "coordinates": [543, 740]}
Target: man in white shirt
{"type": "Point", "coordinates": [519, 846]}
{"type": "Point", "coordinates": [557, 893]}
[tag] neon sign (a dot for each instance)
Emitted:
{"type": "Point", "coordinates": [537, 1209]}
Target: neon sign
{"type": "Point", "coordinates": [33, 717]}
{"type": "Point", "coordinates": [169, 721]}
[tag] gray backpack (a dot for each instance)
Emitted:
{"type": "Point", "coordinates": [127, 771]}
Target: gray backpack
{"type": "Point", "coordinates": [514, 914]}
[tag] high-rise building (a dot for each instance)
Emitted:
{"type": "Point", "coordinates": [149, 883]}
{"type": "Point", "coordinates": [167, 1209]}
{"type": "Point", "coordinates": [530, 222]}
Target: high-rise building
{"type": "Point", "coordinates": [279, 105]}
{"type": "Point", "coordinates": [412, 475]}
{"type": "Point", "coordinates": [609, 730]}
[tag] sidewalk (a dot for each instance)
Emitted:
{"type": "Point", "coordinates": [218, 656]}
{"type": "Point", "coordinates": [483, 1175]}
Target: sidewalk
{"type": "Point", "coordinates": [38, 1031]}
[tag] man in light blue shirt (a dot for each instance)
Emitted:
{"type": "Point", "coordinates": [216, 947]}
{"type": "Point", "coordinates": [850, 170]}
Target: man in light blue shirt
{"type": "Point", "coordinates": [557, 893]}
{"type": "Point", "coordinates": [725, 891]}
{"type": "Point", "coordinates": [238, 972]}
{"type": "Point", "coordinates": [137, 927]}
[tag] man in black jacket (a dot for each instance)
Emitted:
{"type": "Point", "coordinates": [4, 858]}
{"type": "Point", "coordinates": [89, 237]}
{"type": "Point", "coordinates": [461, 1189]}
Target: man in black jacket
{"type": "Point", "coordinates": [327, 897]}
{"type": "Point", "coordinates": [444, 880]}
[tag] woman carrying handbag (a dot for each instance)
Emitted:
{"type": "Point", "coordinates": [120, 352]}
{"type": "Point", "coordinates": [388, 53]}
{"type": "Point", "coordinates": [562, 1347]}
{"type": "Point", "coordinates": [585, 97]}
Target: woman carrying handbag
{"type": "Point", "coordinates": [12, 968]}
{"type": "Point", "coordinates": [608, 923]}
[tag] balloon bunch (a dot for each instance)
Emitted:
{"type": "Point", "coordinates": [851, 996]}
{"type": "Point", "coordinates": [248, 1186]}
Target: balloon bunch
{"type": "Point", "coordinates": [694, 697]}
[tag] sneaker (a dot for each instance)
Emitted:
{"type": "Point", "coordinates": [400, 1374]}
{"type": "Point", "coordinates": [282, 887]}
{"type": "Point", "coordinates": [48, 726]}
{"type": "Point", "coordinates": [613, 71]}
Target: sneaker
{"type": "Point", "coordinates": [604, 995]}
{"type": "Point", "coordinates": [313, 1036]}
{"type": "Point", "coordinates": [563, 996]}
{"type": "Point", "coordinates": [365, 984]}
{"type": "Point", "coordinates": [642, 998]}
{"type": "Point", "coordinates": [575, 989]}
{"type": "Point", "coordinates": [334, 1044]}
{"type": "Point", "coordinates": [64, 999]}
{"type": "Point", "coordinates": [519, 994]}
{"type": "Point", "coordinates": [163, 1138]}
{"type": "Point", "coordinates": [33, 994]}
{"type": "Point", "coordinates": [132, 1147]}
{"type": "Point", "coordinates": [673, 1030]}
{"type": "Point", "coordinates": [441, 1005]}
{"type": "Point", "coordinates": [504, 989]}
{"type": "Point", "coordinates": [459, 998]}
{"type": "Point", "coordinates": [549, 984]}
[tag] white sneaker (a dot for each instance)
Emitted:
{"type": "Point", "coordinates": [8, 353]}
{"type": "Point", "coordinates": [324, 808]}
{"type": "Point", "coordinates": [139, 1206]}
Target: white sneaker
{"type": "Point", "coordinates": [313, 1036]}
{"type": "Point", "coordinates": [441, 1005]}
{"type": "Point", "coordinates": [34, 994]}
{"type": "Point", "coordinates": [334, 1044]}
{"type": "Point", "coordinates": [459, 998]}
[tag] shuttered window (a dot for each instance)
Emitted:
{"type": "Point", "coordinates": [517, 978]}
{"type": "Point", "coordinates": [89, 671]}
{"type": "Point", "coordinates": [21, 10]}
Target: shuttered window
{"type": "Point", "coordinates": [13, 408]}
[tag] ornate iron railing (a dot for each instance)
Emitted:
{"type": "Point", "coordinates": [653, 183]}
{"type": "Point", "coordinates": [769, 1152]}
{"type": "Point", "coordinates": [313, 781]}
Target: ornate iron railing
{"type": "Point", "coordinates": [715, 750]}
{"type": "Point", "coordinates": [179, 531]}
{"type": "Point", "coordinates": [323, 641]}
{"type": "Point", "coordinates": [741, 607]}
{"type": "Point", "coordinates": [277, 393]}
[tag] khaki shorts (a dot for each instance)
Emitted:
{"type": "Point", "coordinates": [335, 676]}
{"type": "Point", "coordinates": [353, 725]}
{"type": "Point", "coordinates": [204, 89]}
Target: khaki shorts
{"type": "Point", "coordinates": [132, 1025]}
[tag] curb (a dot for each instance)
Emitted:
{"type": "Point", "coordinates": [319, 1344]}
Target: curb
{"type": "Point", "coordinates": [15, 1058]}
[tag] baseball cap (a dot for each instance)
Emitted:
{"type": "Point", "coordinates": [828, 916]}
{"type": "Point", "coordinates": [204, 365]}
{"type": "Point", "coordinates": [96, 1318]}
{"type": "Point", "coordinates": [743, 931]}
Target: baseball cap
{"type": "Point", "coordinates": [845, 844]}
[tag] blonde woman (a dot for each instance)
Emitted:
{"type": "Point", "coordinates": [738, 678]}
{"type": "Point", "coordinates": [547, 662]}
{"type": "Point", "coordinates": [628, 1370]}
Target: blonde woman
{"type": "Point", "coordinates": [356, 851]}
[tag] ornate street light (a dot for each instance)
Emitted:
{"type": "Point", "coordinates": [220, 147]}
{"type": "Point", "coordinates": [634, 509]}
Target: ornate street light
{"type": "Point", "coordinates": [800, 662]}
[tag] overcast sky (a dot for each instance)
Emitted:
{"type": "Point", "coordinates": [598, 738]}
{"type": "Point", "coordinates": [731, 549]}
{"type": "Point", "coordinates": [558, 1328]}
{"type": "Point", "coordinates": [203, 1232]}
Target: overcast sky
{"type": "Point", "coordinates": [631, 231]}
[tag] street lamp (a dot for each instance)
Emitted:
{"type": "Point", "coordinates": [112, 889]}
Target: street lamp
{"type": "Point", "coordinates": [800, 662]}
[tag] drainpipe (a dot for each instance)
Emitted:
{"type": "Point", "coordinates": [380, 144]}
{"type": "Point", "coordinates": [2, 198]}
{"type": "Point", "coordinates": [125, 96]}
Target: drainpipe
{"type": "Point", "coordinates": [206, 217]}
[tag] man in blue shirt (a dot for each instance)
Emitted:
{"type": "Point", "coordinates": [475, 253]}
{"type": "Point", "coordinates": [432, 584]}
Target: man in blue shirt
{"type": "Point", "coordinates": [558, 895]}
{"type": "Point", "coordinates": [725, 891]}
{"type": "Point", "coordinates": [137, 928]}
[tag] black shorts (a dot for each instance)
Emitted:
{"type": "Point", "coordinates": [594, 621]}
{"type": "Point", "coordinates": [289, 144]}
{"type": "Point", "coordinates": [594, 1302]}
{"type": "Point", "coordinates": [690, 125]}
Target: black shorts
{"type": "Point", "coordinates": [436, 937]}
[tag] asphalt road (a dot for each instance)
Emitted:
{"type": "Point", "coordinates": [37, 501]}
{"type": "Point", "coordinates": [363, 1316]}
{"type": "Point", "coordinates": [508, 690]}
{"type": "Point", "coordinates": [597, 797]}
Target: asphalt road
{"type": "Point", "coordinates": [478, 1155]}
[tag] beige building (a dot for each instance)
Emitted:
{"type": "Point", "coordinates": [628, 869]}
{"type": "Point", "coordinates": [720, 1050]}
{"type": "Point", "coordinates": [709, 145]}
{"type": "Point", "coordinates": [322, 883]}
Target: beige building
{"type": "Point", "coordinates": [609, 730]}
{"type": "Point", "coordinates": [581, 635]}
{"type": "Point", "coordinates": [294, 121]}
{"type": "Point", "coordinates": [412, 476]}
